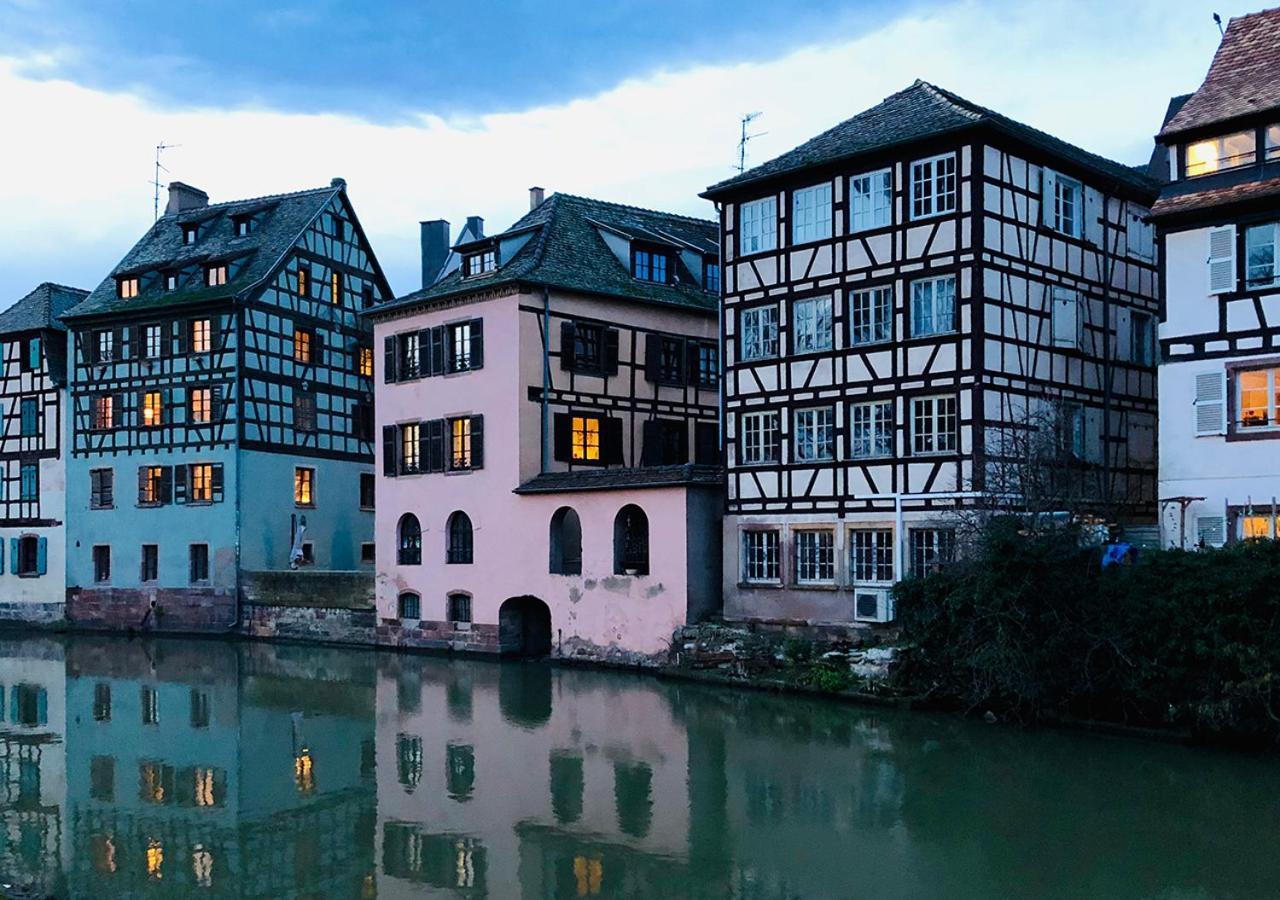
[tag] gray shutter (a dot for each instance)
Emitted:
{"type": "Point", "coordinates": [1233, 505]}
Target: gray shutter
{"type": "Point", "coordinates": [180, 484]}
{"type": "Point", "coordinates": [477, 343]}
{"type": "Point", "coordinates": [1211, 530]}
{"type": "Point", "coordinates": [142, 482]}
{"type": "Point", "coordinates": [436, 451]}
{"type": "Point", "coordinates": [215, 482]}
{"type": "Point", "coordinates": [389, 359]}
{"type": "Point", "coordinates": [567, 340]}
{"type": "Point", "coordinates": [424, 353]}
{"type": "Point", "coordinates": [1048, 183]}
{"type": "Point", "coordinates": [389, 448]}
{"type": "Point", "coordinates": [477, 442]}
{"type": "Point", "coordinates": [439, 352]}
{"type": "Point", "coordinates": [1211, 403]}
{"type": "Point", "coordinates": [1222, 259]}
{"type": "Point", "coordinates": [652, 356]}
{"type": "Point", "coordinates": [166, 484]}
{"type": "Point", "coordinates": [563, 437]}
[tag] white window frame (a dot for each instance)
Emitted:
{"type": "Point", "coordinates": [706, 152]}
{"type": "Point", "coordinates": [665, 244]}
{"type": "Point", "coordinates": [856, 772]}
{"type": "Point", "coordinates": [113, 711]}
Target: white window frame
{"type": "Point", "coordinates": [1063, 200]}
{"type": "Point", "coordinates": [811, 214]}
{"type": "Point", "coordinates": [941, 305]}
{"type": "Point", "coordinates": [1271, 143]}
{"type": "Point", "coordinates": [927, 550]}
{"type": "Point", "coordinates": [767, 556]}
{"type": "Point", "coordinates": [1066, 317]}
{"type": "Point", "coordinates": [812, 327]}
{"type": "Point", "coordinates": [871, 312]}
{"type": "Point", "coordinates": [758, 437]}
{"type": "Point", "coordinates": [1272, 407]}
{"type": "Point", "coordinates": [758, 225]}
{"type": "Point", "coordinates": [759, 339]}
{"type": "Point", "coordinates": [941, 414]}
{"type": "Point", "coordinates": [1255, 238]}
{"type": "Point", "coordinates": [1219, 163]}
{"type": "Point", "coordinates": [869, 555]}
{"type": "Point", "coordinates": [877, 419]}
{"type": "Point", "coordinates": [871, 200]}
{"type": "Point", "coordinates": [813, 434]}
{"type": "Point", "coordinates": [934, 186]}
{"type": "Point", "coordinates": [814, 564]}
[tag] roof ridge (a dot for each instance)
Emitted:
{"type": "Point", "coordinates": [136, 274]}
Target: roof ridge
{"type": "Point", "coordinates": [288, 195]}
{"type": "Point", "coordinates": [632, 208]}
{"type": "Point", "coordinates": [954, 100]}
{"type": "Point", "coordinates": [62, 287]}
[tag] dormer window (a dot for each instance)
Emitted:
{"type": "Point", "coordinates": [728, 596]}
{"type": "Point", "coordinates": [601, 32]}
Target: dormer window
{"type": "Point", "coordinates": [171, 281]}
{"type": "Point", "coordinates": [215, 275]}
{"type": "Point", "coordinates": [650, 265]}
{"type": "Point", "coordinates": [190, 233]}
{"type": "Point", "coordinates": [243, 226]}
{"type": "Point", "coordinates": [1273, 143]}
{"type": "Point", "coordinates": [1218, 153]}
{"type": "Point", "coordinates": [481, 263]}
{"type": "Point", "coordinates": [128, 287]}
{"type": "Point", "coordinates": [711, 276]}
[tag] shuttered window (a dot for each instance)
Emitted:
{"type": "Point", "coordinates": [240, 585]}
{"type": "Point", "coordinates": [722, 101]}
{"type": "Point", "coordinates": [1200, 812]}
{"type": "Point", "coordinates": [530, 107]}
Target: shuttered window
{"type": "Point", "coordinates": [1222, 259]}
{"type": "Point", "coordinates": [1062, 203]}
{"type": "Point", "coordinates": [1065, 318]}
{"type": "Point", "coordinates": [1211, 531]}
{"type": "Point", "coordinates": [1257, 406]}
{"type": "Point", "coordinates": [1211, 403]}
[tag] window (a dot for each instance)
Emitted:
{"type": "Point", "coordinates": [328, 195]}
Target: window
{"type": "Point", "coordinates": [811, 214]}
{"type": "Point", "coordinates": [368, 552]}
{"type": "Point", "coordinates": [759, 332]}
{"type": "Point", "coordinates": [408, 365]}
{"type": "Point", "coordinates": [101, 564]}
{"type": "Point", "coordinates": [1065, 319]}
{"type": "Point", "coordinates": [931, 549]}
{"type": "Point", "coordinates": [871, 316]}
{"type": "Point", "coordinates": [150, 563]}
{"type": "Point", "coordinates": [214, 276]}
{"type": "Point", "coordinates": [871, 199]}
{"type": "Point", "coordinates": [29, 482]}
{"type": "Point", "coordinates": [408, 606]}
{"type": "Point", "coordinates": [566, 542]}
{"type": "Point", "coordinates": [304, 280]}
{"type": "Point", "coordinates": [708, 373]}
{"type": "Point", "coordinates": [650, 265]}
{"type": "Point", "coordinates": [198, 569]}
{"type": "Point", "coordinates": [711, 276]}
{"type": "Point", "coordinates": [104, 346]}
{"type": "Point", "coordinates": [933, 186]}
{"type": "Point", "coordinates": [364, 361]}
{"type": "Point", "coordinates": [201, 477]}
{"type": "Point", "coordinates": [190, 233]}
{"type": "Point", "coordinates": [243, 226]}
{"type": "Point", "coordinates": [338, 227]}
{"type": "Point", "coordinates": [366, 490]}
{"type": "Point", "coordinates": [304, 482]}
{"type": "Point", "coordinates": [933, 306]}
{"type": "Point", "coordinates": [1140, 238]}
{"type": "Point", "coordinates": [871, 429]}
{"type": "Point", "coordinates": [153, 482]}
{"type": "Point", "coordinates": [666, 442]}
{"type": "Point", "coordinates": [760, 556]}
{"type": "Point", "coordinates": [460, 548]}
{"type": "Point", "coordinates": [460, 443]}
{"type": "Point", "coordinates": [151, 716]}
{"type": "Point", "coordinates": [1063, 200]}
{"type": "Point", "coordinates": [128, 287]}
{"type": "Point", "coordinates": [30, 558]}
{"type": "Point", "coordinates": [1142, 338]}
{"type": "Point", "coordinates": [409, 541]}
{"type": "Point", "coordinates": [871, 555]}
{"type": "Point", "coordinates": [466, 349]}
{"type": "Point", "coordinates": [200, 401]}
{"type": "Point", "coordinates": [410, 448]}
{"type": "Point", "coordinates": [31, 355]}
{"type": "Point", "coordinates": [335, 288]}
{"type": "Point", "coordinates": [631, 541]}
{"type": "Point", "coordinates": [200, 719]}
{"type": "Point", "coordinates": [1257, 398]}
{"type": "Point", "coordinates": [302, 340]}
{"type": "Point", "coordinates": [152, 409]}
{"type": "Point", "coordinates": [304, 411]}
{"type": "Point", "coordinates": [759, 440]}
{"type": "Point", "coordinates": [588, 347]}
{"type": "Point", "coordinates": [102, 488]}
{"type": "Point", "coordinates": [814, 438]}
{"type": "Point", "coordinates": [151, 341]}
{"type": "Point", "coordinates": [459, 608]}
{"type": "Point", "coordinates": [201, 335]}
{"type": "Point", "coordinates": [815, 557]}
{"type": "Point", "coordinates": [585, 438]}
{"type": "Point", "coordinates": [102, 702]}
{"type": "Point", "coordinates": [758, 225]}
{"type": "Point", "coordinates": [1218, 153]}
{"type": "Point", "coordinates": [671, 359]}
{"type": "Point", "coordinates": [30, 411]}
{"type": "Point", "coordinates": [481, 263]}
{"type": "Point", "coordinates": [811, 325]}
{"type": "Point", "coordinates": [1262, 248]}
{"type": "Point", "coordinates": [171, 281]}
{"type": "Point", "coordinates": [933, 424]}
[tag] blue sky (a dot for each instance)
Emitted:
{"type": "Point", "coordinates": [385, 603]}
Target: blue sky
{"type": "Point", "coordinates": [448, 110]}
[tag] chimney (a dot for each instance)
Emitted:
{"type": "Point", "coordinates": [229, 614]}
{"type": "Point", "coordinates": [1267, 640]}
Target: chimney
{"type": "Point", "coordinates": [475, 224]}
{"type": "Point", "coordinates": [435, 249]}
{"type": "Point", "coordinates": [183, 197]}
{"type": "Point", "coordinates": [536, 195]}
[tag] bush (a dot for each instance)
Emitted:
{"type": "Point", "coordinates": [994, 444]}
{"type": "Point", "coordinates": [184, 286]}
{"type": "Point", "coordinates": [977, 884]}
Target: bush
{"type": "Point", "coordinates": [1032, 628]}
{"type": "Point", "coordinates": [826, 677]}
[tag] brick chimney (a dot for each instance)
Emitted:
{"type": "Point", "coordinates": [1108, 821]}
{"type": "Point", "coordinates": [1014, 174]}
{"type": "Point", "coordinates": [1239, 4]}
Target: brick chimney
{"type": "Point", "coordinates": [183, 197]}
{"type": "Point", "coordinates": [536, 196]}
{"type": "Point", "coordinates": [435, 249]}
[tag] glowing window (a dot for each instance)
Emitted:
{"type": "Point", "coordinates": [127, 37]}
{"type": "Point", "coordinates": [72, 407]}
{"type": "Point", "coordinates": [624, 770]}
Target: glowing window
{"type": "Point", "coordinates": [215, 276]}
{"type": "Point", "coordinates": [129, 287]}
{"type": "Point", "coordinates": [201, 336]}
{"type": "Point", "coordinates": [366, 361]}
{"type": "Point", "coordinates": [304, 486]}
{"type": "Point", "coordinates": [586, 438]}
{"type": "Point", "coordinates": [201, 406]}
{"type": "Point", "coordinates": [460, 443]}
{"type": "Point", "coordinates": [201, 483]}
{"type": "Point", "coordinates": [1227, 152]}
{"type": "Point", "coordinates": [302, 345]}
{"type": "Point", "coordinates": [152, 409]}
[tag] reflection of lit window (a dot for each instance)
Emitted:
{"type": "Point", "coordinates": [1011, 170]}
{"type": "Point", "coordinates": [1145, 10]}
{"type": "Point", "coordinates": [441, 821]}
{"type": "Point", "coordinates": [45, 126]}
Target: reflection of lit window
{"type": "Point", "coordinates": [202, 866]}
{"type": "Point", "coordinates": [155, 858]}
{"type": "Point", "coordinates": [303, 773]}
{"type": "Point", "coordinates": [155, 782]}
{"type": "Point", "coordinates": [150, 706]}
{"type": "Point", "coordinates": [409, 760]}
{"type": "Point", "coordinates": [464, 865]}
{"type": "Point", "coordinates": [204, 787]}
{"type": "Point", "coordinates": [102, 850]}
{"type": "Point", "coordinates": [588, 873]}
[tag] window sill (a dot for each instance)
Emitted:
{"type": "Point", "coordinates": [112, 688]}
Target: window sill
{"type": "Point", "coordinates": [297, 505]}
{"type": "Point", "coordinates": [924, 217]}
{"type": "Point", "coordinates": [828, 586]}
{"type": "Point", "coordinates": [460, 471]}
{"type": "Point", "coordinates": [27, 574]}
{"type": "Point", "coordinates": [771, 585]}
{"type": "Point", "coordinates": [93, 508]}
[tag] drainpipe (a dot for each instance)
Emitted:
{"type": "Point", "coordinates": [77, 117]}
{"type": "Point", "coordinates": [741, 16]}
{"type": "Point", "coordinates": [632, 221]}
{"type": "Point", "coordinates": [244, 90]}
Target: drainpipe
{"type": "Point", "coordinates": [720, 341]}
{"type": "Point", "coordinates": [545, 449]}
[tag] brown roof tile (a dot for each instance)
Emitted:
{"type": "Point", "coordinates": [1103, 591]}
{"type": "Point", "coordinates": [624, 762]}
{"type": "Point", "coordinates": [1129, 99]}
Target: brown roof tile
{"type": "Point", "coordinates": [1250, 190]}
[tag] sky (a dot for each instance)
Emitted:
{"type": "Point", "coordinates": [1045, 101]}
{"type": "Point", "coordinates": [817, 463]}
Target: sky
{"type": "Point", "coordinates": [433, 110]}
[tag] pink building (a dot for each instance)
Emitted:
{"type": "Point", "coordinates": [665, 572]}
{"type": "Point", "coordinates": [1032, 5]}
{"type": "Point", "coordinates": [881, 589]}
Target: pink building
{"type": "Point", "coordinates": [550, 477]}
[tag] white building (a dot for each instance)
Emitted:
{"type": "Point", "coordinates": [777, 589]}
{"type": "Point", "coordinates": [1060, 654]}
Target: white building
{"type": "Point", "coordinates": [1219, 219]}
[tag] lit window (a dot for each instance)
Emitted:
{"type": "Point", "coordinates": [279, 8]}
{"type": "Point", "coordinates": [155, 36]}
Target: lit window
{"type": "Point", "coordinates": [933, 424]}
{"type": "Point", "coordinates": [335, 288]}
{"type": "Point", "coordinates": [152, 409]}
{"type": "Point", "coordinates": [155, 859]}
{"type": "Point", "coordinates": [933, 186]}
{"type": "Point", "coordinates": [304, 775]}
{"type": "Point", "coordinates": [871, 555]}
{"type": "Point", "coordinates": [1256, 393]}
{"type": "Point", "coordinates": [760, 556]}
{"type": "Point", "coordinates": [151, 485]}
{"type": "Point", "coordinates": [811, 214]}
{"type": "Point", "coordinates": [202, 787]}
{"type": "Point", "coordinates": [1262, 250]}
{"type": "Point", "coordinates": [1226, 152]}
{"type": "Point", "coordinates": [104, 412]}
{"type": "Point", "coordinates": [129, 287]}
{"type": "Point", "coordinates": [303, 486]}
{"type": "Point", "coordinates": [814, 438]}
{"type": "Point", "coordinates": [758, 225]}
{"type": "Point", "coordinates": [1273, 142]}
{"type": "Point", "coordinates": [302, 345]}
{"type": "Point", "coordinates": [871, 429]}
{"type": "Point", "coordinates": [365, 364]}
{"type": "Point", "coordinates": [215, 275]}
{"type": "Point", "coordinates": [871, 315]}
{"type": "Point", "coordinates": [815, 557]}
{"type": "Point", "coordinates": [200, 488]}
{"type": "Point", "coordinates": [410, 448]}
{"type": "Point", "coordinates": [460, 340]}
{"type": "Point", "coordinates": [460, 443]}
{"type": "Point", "coordinates": [649, 265]}
{"type": "Point", "coordinates": [201, 400]}
{"type": "Point", "coordinates": [759, 332]}
{"type": "Point", "coordinates": [481, 263]}
{"type": "Point", "coordinates": [586, 438]}
{"type": "Point", "coordinates": [201, 336]}
{"type": "Point", "coordinates": [202, 866]}
{"type": "Point", "coordinates": [759, 440]}
{"type": "Point", "coordinates": [933, 306]}
{"type": "Point", "coordinates": [304, 280]}
{"type": "Point", "coordinates": [811, 325]}
{"type": "Point", "coordinates": [871, 198]}
{"type": "Point", "coordinates": [931, 549]}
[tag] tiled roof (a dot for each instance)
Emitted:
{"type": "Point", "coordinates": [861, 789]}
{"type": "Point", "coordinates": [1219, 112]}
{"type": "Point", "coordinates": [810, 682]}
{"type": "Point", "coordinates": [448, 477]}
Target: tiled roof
{"type": "Point", "coordinates": [282, 218]}
{"type": "Point", "coordinates": [919, 112]}
{"type": "Point", "coordinates": [1243, 79]}
{"type": "Point", "coordinates": [1215, 197]}
{"type": "Point", "coordinates": [41, 308]}
{"type": "Point", "coordinates": [566, 251]}
{"type": "Point", "coordinates": [618, 479]}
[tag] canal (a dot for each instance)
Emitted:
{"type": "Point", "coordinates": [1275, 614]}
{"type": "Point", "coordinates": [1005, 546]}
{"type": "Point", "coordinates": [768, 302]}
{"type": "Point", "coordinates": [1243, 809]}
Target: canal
{"type": "Point", "coordinates": [203, 768]}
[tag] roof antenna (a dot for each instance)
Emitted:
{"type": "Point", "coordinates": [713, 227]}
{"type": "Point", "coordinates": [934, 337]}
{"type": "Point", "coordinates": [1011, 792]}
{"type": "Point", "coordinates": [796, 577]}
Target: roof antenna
{"type": "Point", "coordinates": [742, 141]}
{"type": "Point", "coordinates": [160, 147]}
{"type": "Point", "coordinates": [1218, 21]}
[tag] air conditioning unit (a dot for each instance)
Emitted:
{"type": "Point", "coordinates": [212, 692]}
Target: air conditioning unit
{"type": "Point", "coordinates": [872, 605]}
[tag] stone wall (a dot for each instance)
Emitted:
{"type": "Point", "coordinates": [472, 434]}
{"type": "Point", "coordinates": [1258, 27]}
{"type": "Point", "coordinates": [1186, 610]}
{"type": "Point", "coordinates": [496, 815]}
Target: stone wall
{"type": "Point", "coordinates": [308, 588]}
{"type": "Point", "coordinates": [32, 613]}
{"type": "Point", "coordinates": [308, 623]}
{"type": "Point", "coordinates": [202, 610]}
{"type": "Point", "coordinates": [463, 637]}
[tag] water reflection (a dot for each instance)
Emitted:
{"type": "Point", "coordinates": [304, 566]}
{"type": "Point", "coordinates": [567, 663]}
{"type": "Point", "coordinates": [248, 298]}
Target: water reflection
{"type": "Point", "coordinates": [173, 768]}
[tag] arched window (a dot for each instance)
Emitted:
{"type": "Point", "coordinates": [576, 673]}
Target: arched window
{"type": "Point", "coordinates": [566, 542]}
{"type": "Point", "coordinates": [459, 607]}
{"type": "Point", "coordinates": [460, 545]}
{"type": "Point", "coordinates": [409, 541]}
{"type": "Point", "coordinates": [409, 606]}
{"type": "Point", "coordinates": [631, 541]}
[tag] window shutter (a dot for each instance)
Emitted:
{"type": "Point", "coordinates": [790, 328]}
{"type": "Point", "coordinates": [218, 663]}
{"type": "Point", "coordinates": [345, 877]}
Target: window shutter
{"type": "Point", "coordinates": [650, 452]}
{"type": "Point", "coordinates": [1092, 229]}
{"type": "Point", "coordinates": [1222, 259]}
{"type": "Point", "coordinates": [215, 481]}
{"type": "Point", "coordinates": [612, 440]}
{"type": "Point", "coordinates": [135, 341]}
{"type": "Point", "coordinates": [691, 360]}
{"type": "Point", "coordinates": [424, 353]}
{"type": "Point", "coordinates": [389, 359]}
{"type": "Point", "coordinates": [1065, 322]}
{"type": "Point", "coordinates": [13, 554]}
{"type": "Point", "coordinates": [42, 555]}
{"type": "Point", "coordinates": [610, 351]}
{"type": "Point", "coordinates": [166, 397]}
{"type": "Point", "coordinates": [1211, 530]}
{"type": "Point", "coordinates": [181, 337]}
{"type": "Point", "coordinates": [215, 403]}
{"type": "Point", "coordinates": [683, 443]}
{"type": "Point", "coordinates": [706, 443]}
{"type": "Point", "coordinates": [179, 484]}
{"type": "Point", "coordinates": [652, 356]}
{"type": "Point", "coordinates": [567, 339]}
{"type": "Point", "coordinates": [117, 408]}
{"type": "Point", "coordinates": [117, 344]}
{"type": "Point", "coordinates": [435, 445]}
{"type": "Point", "coordinates": [439, 355]}
{"type": "Point", "coordinates": [477, 343]}
{"type": "Point", "coordinates": [562, 425]}
{"type": "Point", "coordinates": [142, 482]}
{"type": "Point", "coordinates": [1048, 186]}
{"type": "Point", "coordinates": [166, 484]}
{"type": "Point", "coordinates": [15, 560]}
{"type": "Point", "coordinates": [389, 448]}
{"type": "Point", "coordinates": [477, 442]}
{"type": "Point", "coordinates": [1211, 403]}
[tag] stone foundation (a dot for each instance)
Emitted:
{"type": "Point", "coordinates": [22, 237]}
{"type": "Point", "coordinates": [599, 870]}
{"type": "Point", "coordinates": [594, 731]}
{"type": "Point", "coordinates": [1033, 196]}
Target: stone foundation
{"type": "Point", "coordinates": [42, 614]}
{"type": "Point", "coordinates": [201, 610]}
{"type": "Point", "coordinates": [309, 623]}
{"type": "Point", "coordinates": [462, 637]}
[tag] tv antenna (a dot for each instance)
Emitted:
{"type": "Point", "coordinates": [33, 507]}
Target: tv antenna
{"type": "Point", "coordinates": [1218, 21]}
{"type": "Point", "coordinates": [160, 148]}
{"type": "Point", "coordinates": [742, 141]}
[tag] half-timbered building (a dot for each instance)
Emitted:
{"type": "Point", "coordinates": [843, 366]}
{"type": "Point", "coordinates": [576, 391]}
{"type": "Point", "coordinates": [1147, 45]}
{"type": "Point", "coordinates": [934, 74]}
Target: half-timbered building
{"type": "Point", "coordinates": [547, 407]}
{"type": "Point", "coordinates": [912, 300]}
{"type": "Point", "coordinates": [33, 407]}
{"type": "Point", "coordinates": [222, 409]}
{"type": "Point", "coordinates": [1219, 222]}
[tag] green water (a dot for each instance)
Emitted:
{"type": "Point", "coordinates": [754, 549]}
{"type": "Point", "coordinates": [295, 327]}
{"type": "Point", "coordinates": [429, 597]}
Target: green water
{"type": "Point", "coordinates": [211, 769]}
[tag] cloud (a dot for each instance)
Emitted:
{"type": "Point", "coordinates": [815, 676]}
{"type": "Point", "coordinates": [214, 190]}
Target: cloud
{"type": "Point", "coordinates": [77, 160]}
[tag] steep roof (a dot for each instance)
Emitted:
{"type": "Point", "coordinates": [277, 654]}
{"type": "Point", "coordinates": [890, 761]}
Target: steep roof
{"type": "Point", "coordinates": [922, 111]}
{"type": "Point", "coordinates": [280, 220]}
{"type": "Point", "coordinates": [566, 250]}
{"type": "Point", "coordinates": [1242, 79]}
{"type": "Point", "coordinates": [42, 308]}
